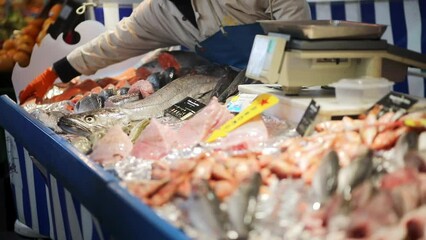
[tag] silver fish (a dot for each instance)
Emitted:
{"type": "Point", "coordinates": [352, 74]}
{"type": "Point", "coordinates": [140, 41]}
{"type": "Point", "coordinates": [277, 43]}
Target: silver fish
{"type": "Point", "coordinates": [408, 142]}
{"type": "Point", "coordinates": [82, 144]}
{"type": "Point", "coordinates": [118, 100]}
{"type": "Point", "coordinates": [88, 103]}
{"type": "Point", "coordinates": [324, 182]}
{"type": "Point", "coordinates": [204, 212]}
{"type": "Point", "coordinates": [49, 118]}
{"type": "Point", "coordinates": [198, 86]}
{"type": "Point", "coordinates": [242, 206]}
{"type": "Point", "coordinates": [415, 156]}
{"type": "Point", "coordinates": [185, 59]}
{"type": "Point", "coordinates": [87, 123]}
{"type": "Point", "coordinates": [354, 174]}
{"type": "Point", "coordinates": [195, 86]}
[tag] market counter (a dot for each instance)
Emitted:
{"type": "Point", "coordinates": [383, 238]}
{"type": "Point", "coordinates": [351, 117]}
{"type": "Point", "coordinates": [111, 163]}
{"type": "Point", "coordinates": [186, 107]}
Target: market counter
{"type": "Point", "coordinates": [61, 194]}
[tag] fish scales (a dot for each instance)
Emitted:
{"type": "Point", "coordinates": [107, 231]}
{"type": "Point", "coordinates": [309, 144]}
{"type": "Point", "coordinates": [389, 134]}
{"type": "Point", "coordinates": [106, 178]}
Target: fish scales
{"type": "Point", "coordinates": [195, 86]}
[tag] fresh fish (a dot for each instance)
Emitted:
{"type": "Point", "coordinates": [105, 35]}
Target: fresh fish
{"type": "Point", "coordinates": [135, 129]}
{"type": "Point", "coordinates": [63, 106]}
{"type": "Point", "coordinates": [107, 93]}
{"type": "Point", "coordinates": [49, 118]}
{"type": "Point", "coordinates": [354, 174]}
{"type": "Point", "coordinates": [230, 86]}
{"type": "Point", "coordinates": [154, 79]}
{"type": "Point", "coordinates": [204, 212]}
{"type": "Point", "coordinates": [82, 144]}
{"type": "Point", "coordinates": [406, 143]}
{"type": "Point", "coordinates": [123, 90]}
{"type": "Point", "coordinates": [49, 114]}
{"type": "Point", "coordinates": [90, 122]}
{"type": "Point", "coordinates": [197, 86]}
{"type": "Point", "coordinates": [162, 60]}
{"type": "Point", "coordinates": [415, 154]}
{"type": "Point", "coordinates": [168, 75]}
{"type": "Point", "coordinates": [106, 98]}
{"type": "Point", "coordinates": [242, 206]}
{"type": "Point", "coordinates": [184, 59]}
{"type": "Point", "coordinates": [161, 79]}
{"type": "Point", "coordinates": [324, 182]}
{"type": "Point", "coordinates": [223, 92]}
{"type": "Point", "coordinates": [119, 100]}
{"type": "Point", "coordinates": [88, 103]}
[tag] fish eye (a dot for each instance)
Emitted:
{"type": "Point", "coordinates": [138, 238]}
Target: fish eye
{"type": "Point", "coordinates": [89, 119]}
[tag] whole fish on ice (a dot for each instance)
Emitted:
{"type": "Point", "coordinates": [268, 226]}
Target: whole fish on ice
{"type": "Point", "coordinates": [198, 86]}
{"type": "Point", "coordinates": [87, 123]}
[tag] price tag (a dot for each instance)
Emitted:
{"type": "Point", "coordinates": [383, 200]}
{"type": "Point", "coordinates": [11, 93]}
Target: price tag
{"type": "Point", "coordinates": [260, 104]}
{"type": "Point", "coordinates": [415, 123]}
{"type": "Point", "coordinates": [394, 102]}
{"type": "Point", "coordinates": [240, 102]}
{"type": "Point", "coordinates": [305, 124]}
{"type": "Point", "coordinates": [185, 108]}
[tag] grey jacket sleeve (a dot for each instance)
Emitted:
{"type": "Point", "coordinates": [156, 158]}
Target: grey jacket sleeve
{"type": "Point", "coordinates": [140, 33]}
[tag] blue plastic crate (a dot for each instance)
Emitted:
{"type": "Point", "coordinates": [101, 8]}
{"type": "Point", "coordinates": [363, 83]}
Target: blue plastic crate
{"type": "Point", "coordinates": [80, 200]}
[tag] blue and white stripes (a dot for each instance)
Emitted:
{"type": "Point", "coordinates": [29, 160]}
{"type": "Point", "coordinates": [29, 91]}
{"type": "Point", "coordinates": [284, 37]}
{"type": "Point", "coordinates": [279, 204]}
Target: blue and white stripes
{"type": "Point", "coordinates": [110, 14]}
{"type": "Point", "coordinates": [29, 188]}
{"type": "Point", "coordinates": [43, 204]}
{"type": "Point", "coordinates": [71, 219]}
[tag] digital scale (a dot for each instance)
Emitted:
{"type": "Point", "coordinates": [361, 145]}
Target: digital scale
{"type": "Point", "coordinates": [297, 54]}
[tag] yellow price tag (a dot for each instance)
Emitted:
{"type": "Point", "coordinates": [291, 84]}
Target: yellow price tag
{"type": "Point", "coordinates": [259, 104]}
{"type": "Point", "coordinates": [415, 123]}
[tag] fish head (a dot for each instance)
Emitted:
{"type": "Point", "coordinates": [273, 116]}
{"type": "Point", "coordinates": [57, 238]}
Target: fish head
{"type": "Point", "coordinates": [167, 76]}
{"type": "Point", "coordinates": [86, 123]}
{"type": "Point", "coordinates": [123, 90]}
{"type": "Point", "coordinates": [89, 103]}
{"type": "Point", "coordinates": [154, 79]}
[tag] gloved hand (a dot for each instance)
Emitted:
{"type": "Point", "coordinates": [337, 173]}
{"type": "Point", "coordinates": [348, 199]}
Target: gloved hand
{"type": "Point", "coordinates": [39, 86]}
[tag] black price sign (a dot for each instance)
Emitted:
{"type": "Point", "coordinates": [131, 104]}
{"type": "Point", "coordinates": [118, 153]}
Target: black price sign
{"type": "Point", "coordinates": [185, 108]}
{"type": "Point", "coordinates": [308, 118]}
{"type": "Point", "coordinates": [394, 102]}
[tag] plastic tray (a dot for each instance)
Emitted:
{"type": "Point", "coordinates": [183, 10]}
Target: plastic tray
{"type": "Point", "coordinates": [325, 29]}
{"type": "Point", "coordinates": [362, 90]}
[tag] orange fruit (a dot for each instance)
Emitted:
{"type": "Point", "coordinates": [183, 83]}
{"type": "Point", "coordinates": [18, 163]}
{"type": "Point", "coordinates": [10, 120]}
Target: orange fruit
{"type": "Point", "coordinates": [8, 44]}
{"type": "Point", "coordinates": [6, 63]}
{"type": "Point", "coordinates": [22, 58]}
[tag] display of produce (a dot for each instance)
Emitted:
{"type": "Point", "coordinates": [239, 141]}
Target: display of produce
{"type": "Point", "coordinates": [358, 177]}
{"type": "Point", "coordinates": [17, 48]}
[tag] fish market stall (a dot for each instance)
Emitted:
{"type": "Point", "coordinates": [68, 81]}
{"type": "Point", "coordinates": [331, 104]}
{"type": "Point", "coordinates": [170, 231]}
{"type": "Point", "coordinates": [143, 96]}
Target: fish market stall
{"type": "Point", "coordinates": [195, 150]}
{"type": "Point", "coordinates": [104, 198]}
{"type": "Point", "coordinates": [72, 197]}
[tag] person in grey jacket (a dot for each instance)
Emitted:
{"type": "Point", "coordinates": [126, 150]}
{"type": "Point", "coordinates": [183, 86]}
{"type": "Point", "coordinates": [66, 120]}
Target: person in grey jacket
{"type": "Point", "coordinates": [222, 31]}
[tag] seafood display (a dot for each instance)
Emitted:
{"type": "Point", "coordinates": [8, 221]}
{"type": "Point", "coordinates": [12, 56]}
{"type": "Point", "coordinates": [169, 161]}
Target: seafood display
{"type": "Point", "coordinates": [353, 178]}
